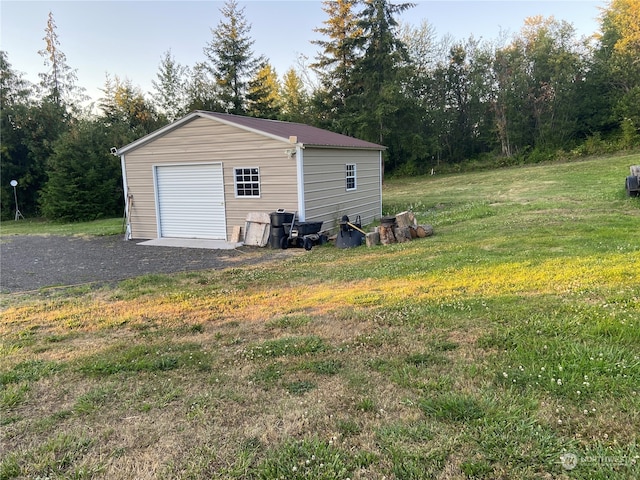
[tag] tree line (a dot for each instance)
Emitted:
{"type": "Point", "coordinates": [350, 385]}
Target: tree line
{"type": "Point", "coordinates": [435, 103]}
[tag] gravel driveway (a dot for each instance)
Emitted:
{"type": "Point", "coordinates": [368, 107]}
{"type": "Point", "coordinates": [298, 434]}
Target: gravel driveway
{"type": "Point", "coordinates": [30, 262]}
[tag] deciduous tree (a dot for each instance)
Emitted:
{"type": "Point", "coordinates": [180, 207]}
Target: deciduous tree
{"type": "Point", "coordinates": [620, 51]}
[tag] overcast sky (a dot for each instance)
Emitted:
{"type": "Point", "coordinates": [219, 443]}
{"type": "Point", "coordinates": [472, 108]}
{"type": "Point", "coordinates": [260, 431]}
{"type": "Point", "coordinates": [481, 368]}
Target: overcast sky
{"type": "Point", "coordinates": [128, 38]}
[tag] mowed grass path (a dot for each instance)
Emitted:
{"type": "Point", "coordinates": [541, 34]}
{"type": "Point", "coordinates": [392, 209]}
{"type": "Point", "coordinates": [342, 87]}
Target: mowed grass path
{"type": "Point", "coordinates": [505, 346]}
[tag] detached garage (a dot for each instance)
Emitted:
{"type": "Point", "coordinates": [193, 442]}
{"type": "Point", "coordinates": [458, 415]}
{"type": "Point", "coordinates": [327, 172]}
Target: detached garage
{"type": "Point", "coordinates": [200, 176]}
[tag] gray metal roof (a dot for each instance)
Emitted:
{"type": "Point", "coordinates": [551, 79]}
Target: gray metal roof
{"type": "Point", "coordinates": [289, 132]}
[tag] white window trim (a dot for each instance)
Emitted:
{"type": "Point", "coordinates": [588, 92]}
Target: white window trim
{"type": "Point", "coordinates": [352, 176]}
{"type": "Point", "coordinates": [235, 182]}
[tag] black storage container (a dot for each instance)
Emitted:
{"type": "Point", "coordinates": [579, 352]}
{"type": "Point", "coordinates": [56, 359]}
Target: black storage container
{"type": "Point", "coordinates": [349, 239]}
{"type": "Point", "coordinates": [276, 235]}
{"type": "Point", "coordinates": [348, 236]}
{"type": "Point", "coordinates": [304, 228]}
{"type": "Point", "coordinates": [280, 217]}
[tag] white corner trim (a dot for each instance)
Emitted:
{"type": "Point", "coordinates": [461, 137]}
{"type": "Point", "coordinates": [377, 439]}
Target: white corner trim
{"type": "Point", "coordinates": [300, 181]}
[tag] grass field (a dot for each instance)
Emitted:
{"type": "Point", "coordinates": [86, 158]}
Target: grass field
{"type": "Point", "coordinates": [29, 226]}
{"type": "Point", "coordinates": [505, 346]}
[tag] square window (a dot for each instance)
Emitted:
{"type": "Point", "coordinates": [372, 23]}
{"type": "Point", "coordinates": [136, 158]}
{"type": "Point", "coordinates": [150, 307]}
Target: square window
{"type": "Point", "coordinates": [247, 182]}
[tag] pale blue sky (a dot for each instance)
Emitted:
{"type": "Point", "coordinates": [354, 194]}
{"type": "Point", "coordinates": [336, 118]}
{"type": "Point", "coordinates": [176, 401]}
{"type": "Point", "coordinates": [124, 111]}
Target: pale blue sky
{"type": "Point", "coordinates": [128, 38]}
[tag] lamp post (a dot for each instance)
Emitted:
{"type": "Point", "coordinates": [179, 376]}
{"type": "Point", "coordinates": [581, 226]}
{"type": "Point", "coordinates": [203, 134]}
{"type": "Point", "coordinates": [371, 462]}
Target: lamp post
{"type": "Point", "coordinates": [14, 184]}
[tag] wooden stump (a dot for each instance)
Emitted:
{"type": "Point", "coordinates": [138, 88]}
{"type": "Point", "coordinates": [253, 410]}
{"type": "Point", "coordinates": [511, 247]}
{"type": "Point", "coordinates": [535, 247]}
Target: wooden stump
{"type": "Point", "coordinates": [403, 234]}
{"type": "Point", "coordinates": [424, 231]}
{"type": "Point", "coordinates": [372, 239]}
{"type": "Point", "coordinates": [406, 219]}
{"type": "Point", "coordinates": [386, 235]}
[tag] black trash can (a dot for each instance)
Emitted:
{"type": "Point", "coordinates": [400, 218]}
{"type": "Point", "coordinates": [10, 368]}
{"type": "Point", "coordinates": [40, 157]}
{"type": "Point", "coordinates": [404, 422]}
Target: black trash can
{"type": "Point", "coordinates": [280, 217]}
{"type": "Point", "coordinates": [276, 235]}
{"type": "Point", "coordinates": [277, 232]}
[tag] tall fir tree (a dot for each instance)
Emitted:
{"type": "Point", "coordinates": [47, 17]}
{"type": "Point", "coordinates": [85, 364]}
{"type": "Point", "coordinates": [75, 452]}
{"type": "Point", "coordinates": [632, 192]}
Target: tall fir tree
{"type": "Point", "coordinates": [335, 62]}
{"type": "Point", "coordinates": [294, 98]}
{"type": "Point", "coordinates": [263, 93]}
{"type": "Point", "coordinates": [231, 58]}
{"type": "Point", "coordinates": [124, 104]}
{"type": "Point", "coordinates": [16, 99]}
{"type": "Point", "coordinates": [58, 84]}
{"type": "Point", "coordinates": [84, 178]}
{"type": "Point", "coordinates": [377, 79]}
{"type": "Point", "coordinates": [202, 91]}
{"type": "Point", "coordinates": [170, 88]}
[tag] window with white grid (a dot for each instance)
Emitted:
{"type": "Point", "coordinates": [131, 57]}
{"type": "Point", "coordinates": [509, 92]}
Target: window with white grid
{"type": "Point", "coordinates": [351, 176]}
{"type": "Point", "coordinates": [247, 181]}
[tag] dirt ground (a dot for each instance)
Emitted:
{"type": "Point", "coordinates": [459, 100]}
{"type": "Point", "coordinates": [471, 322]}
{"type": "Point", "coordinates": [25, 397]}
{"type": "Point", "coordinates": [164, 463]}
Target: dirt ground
{"type": "Point", "coordinates": [31, 262]}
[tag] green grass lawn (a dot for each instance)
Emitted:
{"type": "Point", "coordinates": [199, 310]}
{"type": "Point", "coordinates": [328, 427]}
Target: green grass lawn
{"type": "Point", "coordinates": [505, 346]}
{"type": "Point", "coordinates": [108, 226]}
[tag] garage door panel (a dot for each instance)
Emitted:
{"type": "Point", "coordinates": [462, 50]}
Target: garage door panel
{"type": "Point", "coordinates": [191, 201]}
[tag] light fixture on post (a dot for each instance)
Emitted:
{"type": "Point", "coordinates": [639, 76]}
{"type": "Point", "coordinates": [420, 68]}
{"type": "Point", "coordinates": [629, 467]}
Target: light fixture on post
{"type": "Point", "coordinates": [14, 184]}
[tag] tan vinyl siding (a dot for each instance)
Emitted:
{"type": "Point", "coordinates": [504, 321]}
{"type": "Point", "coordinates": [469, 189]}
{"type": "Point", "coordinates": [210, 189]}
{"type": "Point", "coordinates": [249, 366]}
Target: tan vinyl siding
{"type": "Point", "coordinates": [205, 141]}
{"type": "Point", "coordinates": [326, 197]}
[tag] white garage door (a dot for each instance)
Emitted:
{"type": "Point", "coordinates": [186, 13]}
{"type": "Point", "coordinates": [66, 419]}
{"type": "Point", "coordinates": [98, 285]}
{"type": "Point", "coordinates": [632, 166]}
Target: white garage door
{"type": "Point", "coordinates": [191, 201]}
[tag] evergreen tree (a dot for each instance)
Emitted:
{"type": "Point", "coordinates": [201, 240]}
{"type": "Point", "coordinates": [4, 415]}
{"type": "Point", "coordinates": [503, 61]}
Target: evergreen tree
{"type": "Point", "coordinates": [375, 106]}
{"type": "Point", "coordinates": [202, 92]}
{"type": "Point", "coordinates": [16, 99]}
{"type": "Point", "coordinates": [85, 181]}
{"type": "Point", "coordinates": [58, 84]}
{"type": "Point", "coordinates": [294, 98]}
{"type": "Point", "coordinates": [124, 104]}
{"type": "Point", "coordinates": [263, 94]}
{"type": "Point", "coordinates": [39, 124]}
{"type": "Point", "coordinates": [171, 87]}
{"type": "Point", "coordinates": [335, 63]}
{"type": "Point", "coordinates": [231, 58]}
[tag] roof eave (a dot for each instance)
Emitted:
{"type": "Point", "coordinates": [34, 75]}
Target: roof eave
{"type": "Point", "coordinates": [374, 148]}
